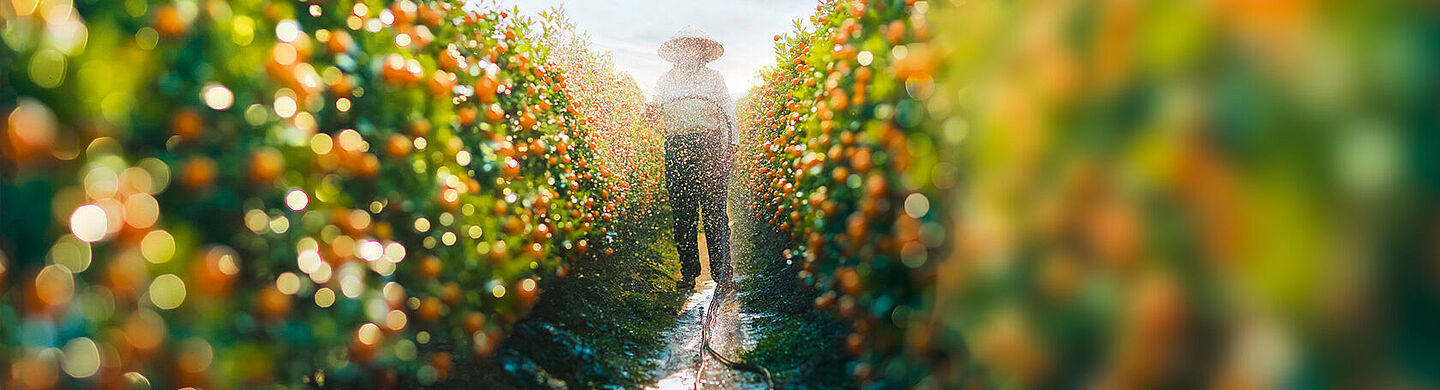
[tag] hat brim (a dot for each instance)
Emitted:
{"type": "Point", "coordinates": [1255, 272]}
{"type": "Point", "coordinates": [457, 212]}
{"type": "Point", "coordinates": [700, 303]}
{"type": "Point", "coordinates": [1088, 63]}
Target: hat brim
{"type": "Point", "coordinates": [671, 50]}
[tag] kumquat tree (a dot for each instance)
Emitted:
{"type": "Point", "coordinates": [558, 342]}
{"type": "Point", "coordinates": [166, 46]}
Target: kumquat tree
{"type": "Point", "coordinates": [844, 167]}
{"type": "Point", "coordinates": [866, 194]}
{"type": "Point", "coordinates": [285, 192]}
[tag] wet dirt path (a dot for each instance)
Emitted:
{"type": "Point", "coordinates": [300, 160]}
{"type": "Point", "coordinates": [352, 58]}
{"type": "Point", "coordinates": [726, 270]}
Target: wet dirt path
{"type": "Point", "coordinates": [684, 363]}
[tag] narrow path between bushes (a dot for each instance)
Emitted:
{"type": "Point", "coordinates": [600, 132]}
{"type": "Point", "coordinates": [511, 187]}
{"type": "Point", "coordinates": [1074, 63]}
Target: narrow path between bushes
{"type": "Point", "coordinates": [684, 363]}
{"type": "Point", "coordinates": [618, 322]}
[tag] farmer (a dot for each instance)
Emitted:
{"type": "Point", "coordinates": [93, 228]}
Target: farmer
{"type": "Point", "coordinates": [700, 138]}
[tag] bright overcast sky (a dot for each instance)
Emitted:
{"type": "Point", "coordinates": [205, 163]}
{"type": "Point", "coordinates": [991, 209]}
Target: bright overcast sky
{"type": "Point", "coordinates": [634, 29]}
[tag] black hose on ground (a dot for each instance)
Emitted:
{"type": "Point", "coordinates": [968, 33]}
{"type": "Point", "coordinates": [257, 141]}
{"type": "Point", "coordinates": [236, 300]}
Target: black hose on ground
{"type": "Point", "coordinates": [720, 293]}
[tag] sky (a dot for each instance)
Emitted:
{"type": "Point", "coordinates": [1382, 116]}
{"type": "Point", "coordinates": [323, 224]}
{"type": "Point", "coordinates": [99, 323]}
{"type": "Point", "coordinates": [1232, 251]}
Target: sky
{"type": "Point", "coordinates": [633, 29]}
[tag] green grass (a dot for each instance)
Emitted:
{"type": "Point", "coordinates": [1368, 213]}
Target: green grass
{"type": "Point", "coordinates": [800, 346]}
{"type": "Point", "coordinates": [601, 326]}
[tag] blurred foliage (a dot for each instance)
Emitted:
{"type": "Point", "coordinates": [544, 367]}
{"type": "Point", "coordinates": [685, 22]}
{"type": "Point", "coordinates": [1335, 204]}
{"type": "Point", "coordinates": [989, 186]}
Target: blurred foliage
{"type": "Point", "coordinates": [1225, 194]}
{"type": "Point", "coordinates": [1137, 194]}
{"type": "Point", "coordinates": [220, 193]}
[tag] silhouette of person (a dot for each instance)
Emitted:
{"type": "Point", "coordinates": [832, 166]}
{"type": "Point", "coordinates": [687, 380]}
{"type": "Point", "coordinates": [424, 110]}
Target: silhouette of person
{"type": "Point", "coordinates": [700, 139]}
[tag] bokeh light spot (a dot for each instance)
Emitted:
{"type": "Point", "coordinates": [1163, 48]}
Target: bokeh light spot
{"type": "Point", "coordinates": [296, 200]}
{"type": "Point", "coordinates": [158, 246]}
{"type": "Point", "coordinates": [287, 30]}
{"type": "Point", "coordinates": [324, 297]}
{"type": "Point", "coordinates": [89, 223]}
{"type": "Point", "coordinates": [368, 334]}
{"type": "Point", "coordinates": [243, 31]}
{"type": "Point", "coordinates": [167, 291]}
{"type": "Point", "coordinates": [147, 38]}
{"type": "Point", "coordinates": [370, 250]}
{"type": "Point", "coordinates": [54, 285]}
{"type": "Point", "coordinates": [288, 283]}
{"type": "Point", "coordinates": [217, 97]}
{"type": "Point", "coordinates": [285, 106]}
{"type": "Point", "coordinates": [394, 252]}
{"type": "Point", "coordinates": [141, 210]}
{"type": "Point", "coordinates": [71, 253]}
{"type": "Point", "coordinates": [395, 320]}
{"type": "Point", "coordinates": [308, 261]}
{"type": "Point", "coordinates": [321, 143]}
{"type": "Point", "coordinates": [101, 182]}
{"type": "Point", "coordinates": [47, 68]}
{"type": "Point", "coordinates": [917, 205]}
{"type": "Point", "coordinates": [196, 354]}
{"type": "Point", "coordinates": [81, 358]}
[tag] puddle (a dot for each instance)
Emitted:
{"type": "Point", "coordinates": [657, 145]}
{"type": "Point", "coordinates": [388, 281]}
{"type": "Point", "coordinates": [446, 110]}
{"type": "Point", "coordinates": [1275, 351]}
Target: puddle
{"type": "Point", "coordinates": [681, 359]}
{"type": "Point", "coordinates": [683, 364]}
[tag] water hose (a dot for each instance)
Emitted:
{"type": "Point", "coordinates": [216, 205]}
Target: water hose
{"type": "Point", "coordinates": [720, 293]}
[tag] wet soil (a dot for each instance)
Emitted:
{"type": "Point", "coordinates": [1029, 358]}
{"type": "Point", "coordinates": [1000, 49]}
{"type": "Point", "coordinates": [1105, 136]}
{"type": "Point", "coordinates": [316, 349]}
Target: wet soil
{"type": "Point", "coordinates": [619, 322]}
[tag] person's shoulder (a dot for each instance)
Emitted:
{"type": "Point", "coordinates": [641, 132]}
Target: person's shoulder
{"type": "Point", "coordinates": [711, 75]}
{"type": "Point", "coordinates": [666, 78]}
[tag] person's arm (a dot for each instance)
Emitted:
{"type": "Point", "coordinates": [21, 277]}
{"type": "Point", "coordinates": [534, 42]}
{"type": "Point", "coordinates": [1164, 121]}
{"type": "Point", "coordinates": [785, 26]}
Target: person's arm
{"type": "Point", "coordinates": [727, 104]}
{"type": "Point", "coordinates": [653, 108]}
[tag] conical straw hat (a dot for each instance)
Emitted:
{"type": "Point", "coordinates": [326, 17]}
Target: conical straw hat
{"type": "Point", "coordinates": [689, 39]}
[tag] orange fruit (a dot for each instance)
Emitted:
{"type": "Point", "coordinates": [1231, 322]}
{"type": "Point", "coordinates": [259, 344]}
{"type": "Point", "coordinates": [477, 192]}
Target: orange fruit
{"type": "Point", "coordinates": [528, 121]}
{"type": "Point", "coordinates": [493, 113]}
{"type": "Point", "coordinates": [467, 115]}
{"type": "Point", "coordinates": [169, 23]}
{"type": "Point", "coordinates": [272, 303]}
{"type": "Point", "coordinates": [187, 124]}
{"type": "Point", "coordinates": [397, 146]}
{"type": "Point", "coordinates": [266, 165]}
{"type": "Point", "coordinates": [198, 173]}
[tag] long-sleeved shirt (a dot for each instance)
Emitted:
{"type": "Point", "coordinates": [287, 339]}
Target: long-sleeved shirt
{"type": "Point", "coordinates": [695, 100]}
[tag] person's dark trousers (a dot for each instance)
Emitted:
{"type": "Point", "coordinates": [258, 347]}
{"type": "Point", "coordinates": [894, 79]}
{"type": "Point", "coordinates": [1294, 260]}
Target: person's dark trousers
{"type": "Point", "coordinates": [697, 168]}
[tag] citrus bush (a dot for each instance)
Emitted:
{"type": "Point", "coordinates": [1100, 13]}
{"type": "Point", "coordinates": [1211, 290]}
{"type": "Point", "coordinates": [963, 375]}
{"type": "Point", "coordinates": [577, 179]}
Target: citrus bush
{"type": "Point", "coordinates": [845, 165]}
{"type": "Point", "coordinates": [612, 108]}
{"type": "Point", "coordinates": [250, 192]}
